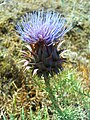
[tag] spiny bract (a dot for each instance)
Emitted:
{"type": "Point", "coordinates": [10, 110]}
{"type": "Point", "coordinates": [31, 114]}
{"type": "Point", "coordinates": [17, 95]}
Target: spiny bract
{"type": "Point", "coordinates": [42, 30]}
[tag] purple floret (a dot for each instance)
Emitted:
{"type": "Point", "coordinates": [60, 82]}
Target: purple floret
{"type": "Point", "coordinates": [41, 26]}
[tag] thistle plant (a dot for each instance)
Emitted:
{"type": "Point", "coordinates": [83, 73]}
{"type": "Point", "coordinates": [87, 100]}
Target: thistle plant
{"type": "Point", "coordinates": [43, 31]}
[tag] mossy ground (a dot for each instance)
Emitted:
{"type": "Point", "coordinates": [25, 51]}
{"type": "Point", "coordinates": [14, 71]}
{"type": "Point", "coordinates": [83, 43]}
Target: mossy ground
{"type": "Point", "coordinates": [17, 87]}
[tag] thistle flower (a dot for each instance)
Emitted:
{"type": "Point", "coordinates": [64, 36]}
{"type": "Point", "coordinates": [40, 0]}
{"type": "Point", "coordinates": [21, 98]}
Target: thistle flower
{"type": "Point", "coordinates": [42, 30]}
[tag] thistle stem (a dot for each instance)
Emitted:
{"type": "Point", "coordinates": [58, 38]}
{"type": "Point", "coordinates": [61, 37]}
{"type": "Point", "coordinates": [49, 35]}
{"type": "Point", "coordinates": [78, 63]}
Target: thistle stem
{"type": "Point", "coordinates": [52, 98]}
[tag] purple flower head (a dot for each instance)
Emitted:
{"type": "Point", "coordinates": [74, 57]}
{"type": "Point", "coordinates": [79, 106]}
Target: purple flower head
{"type": "Point", "coordinates": [42, 30]}
{"type": "Point", "coordinates": [42, 26]}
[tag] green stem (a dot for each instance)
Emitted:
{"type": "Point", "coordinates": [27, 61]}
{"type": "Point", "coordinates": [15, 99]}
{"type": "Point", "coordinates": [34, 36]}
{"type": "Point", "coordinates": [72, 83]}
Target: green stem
{"type": "Point", "coordinates": [52, 98]}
